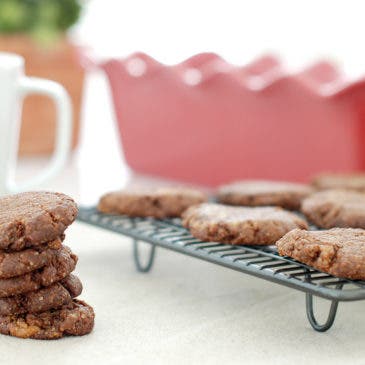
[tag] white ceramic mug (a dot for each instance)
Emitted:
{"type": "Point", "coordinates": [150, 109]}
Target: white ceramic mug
{"type": "Point", "coordinates": [14, 85]}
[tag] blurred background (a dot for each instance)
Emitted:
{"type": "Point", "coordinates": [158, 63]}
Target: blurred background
{"type": "Point", "coordinates": [122, 129]}
{"type": "Point", "coordinates": [300, 32]}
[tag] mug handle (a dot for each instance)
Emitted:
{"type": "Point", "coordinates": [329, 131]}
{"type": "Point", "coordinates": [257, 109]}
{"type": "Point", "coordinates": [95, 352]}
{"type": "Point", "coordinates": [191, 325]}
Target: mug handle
{"type": "Point", "coordinates": [34, 85]}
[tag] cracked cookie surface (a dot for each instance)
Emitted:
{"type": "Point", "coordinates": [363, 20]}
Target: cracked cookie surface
{"type": "Point", "coordinates": [34, 218]}
{"type": "Point", "coordinates": [153, 202]}
{"type": "Point", "coordinates": [240, 225]}
{"type": "Point", "coordinates": [263, 193]}
{"type": "Point", "coordinates": [62, 265]}
{"type": "Point", "coordinates": [51, 297]}
{"type": "Point", "coordinates": [338, 251]}
{"type": "Point", "coordinates": [335, 208]}
{"type": "Point", "coordinates": [73, 319]}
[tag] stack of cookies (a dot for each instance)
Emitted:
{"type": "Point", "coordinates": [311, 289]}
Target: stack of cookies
{"type": "Point", "coordinates": [37, 287]}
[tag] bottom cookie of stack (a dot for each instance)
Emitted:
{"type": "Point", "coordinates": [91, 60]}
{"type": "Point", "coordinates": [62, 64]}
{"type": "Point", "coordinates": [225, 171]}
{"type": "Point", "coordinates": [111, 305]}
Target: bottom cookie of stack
{"type": "Point", "coordinates": [73, 319]}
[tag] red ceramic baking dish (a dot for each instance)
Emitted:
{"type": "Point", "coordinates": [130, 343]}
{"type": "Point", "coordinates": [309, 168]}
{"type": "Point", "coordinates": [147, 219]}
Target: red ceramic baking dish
{"type": "Point", "coordinates": [207, 121]}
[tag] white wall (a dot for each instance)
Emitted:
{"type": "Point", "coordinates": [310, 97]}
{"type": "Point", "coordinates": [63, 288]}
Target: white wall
{"type": "Point", "coordinates": [300, 31]}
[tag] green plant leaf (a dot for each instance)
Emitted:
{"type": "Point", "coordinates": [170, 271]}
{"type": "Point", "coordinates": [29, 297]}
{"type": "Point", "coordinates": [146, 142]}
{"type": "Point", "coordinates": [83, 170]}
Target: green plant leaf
{"type": "Point", "coordinates": [13, 16]}
{"type": "Point", "coordinates": [38, 16]}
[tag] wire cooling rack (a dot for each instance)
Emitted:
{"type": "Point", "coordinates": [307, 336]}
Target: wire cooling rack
{"type": "Point", "coordinates": [260, 261]}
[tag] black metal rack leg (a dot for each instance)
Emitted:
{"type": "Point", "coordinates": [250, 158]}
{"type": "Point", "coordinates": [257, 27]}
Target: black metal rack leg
{"type": "Point", "coordinates": [331, 315]}
{"type": "Point", "coordinates": [136, 255]}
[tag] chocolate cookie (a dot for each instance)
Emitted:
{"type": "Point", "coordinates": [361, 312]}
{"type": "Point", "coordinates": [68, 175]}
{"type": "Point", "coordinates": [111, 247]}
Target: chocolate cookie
{"type": "Point", "coordinates": [22, 262]}
{"type": "Point", "coordinates": [63, 264]}
{"type": "Point", "coordinates": [41, 300]}
{"type": "Point", "coordinates": [159, 203]}
{"type": "Point", "coordinates": [73, 319]}
{"type": "Point", "coordinates": [338, 251]}
{"type": "Point", "coordinates": [261, 193]}
{"type": "Point", "coordinates": [73, 285]}
{"type": "Point", "coordinates": [240, 225]}
{"type": "Point", "coordinates": [335, 208]}
{"type": "Point", "coordinates": [340, 181]}
{"type": "Point", "coordinates": [34, 218]}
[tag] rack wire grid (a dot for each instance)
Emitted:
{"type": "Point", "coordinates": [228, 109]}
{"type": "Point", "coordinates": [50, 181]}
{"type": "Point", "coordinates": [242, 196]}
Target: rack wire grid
{"type": "Point", "coordinates": [261, 261]}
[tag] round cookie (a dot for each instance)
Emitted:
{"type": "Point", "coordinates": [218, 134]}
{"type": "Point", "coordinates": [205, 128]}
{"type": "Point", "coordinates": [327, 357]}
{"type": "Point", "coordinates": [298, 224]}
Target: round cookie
{"type": "Point", "coordinates": [335, 208]}
{"type": "Point", "coordinates": [327, 181]}
{"type": "Point", "coordinates": [158, 203]}
{"type": "Point", "coordinates": [41, 300]}
{"type": "Point", "coordinates": [263, 193]}
{"type": "Point", "coordinates": [22, 262]}
{"type": "Point", "coordinates": [240, 225]}
{"type": "Point", "coordinates": [338, 251]}
{"type": "Point", "coordinates": [34, 218]}
{"type": "Point", "coordinates": [73, 319]}
{"type": "Point", "coordinates": [63, 264]}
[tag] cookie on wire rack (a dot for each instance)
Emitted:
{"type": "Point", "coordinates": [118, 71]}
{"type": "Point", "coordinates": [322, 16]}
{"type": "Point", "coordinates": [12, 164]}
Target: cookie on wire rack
{"type": "Point", "coordinates": [335, 208]}
{"type": "Point", "coordinates": [240, 225]}
{"type": "Point", "coordinates": [150, 202]}
{"type": "Point", "coordinates": [326, 181]}
{"type": "Point", "coordinates": [263, 193]}
{"type": "Point", "coordinates": [337, 251]}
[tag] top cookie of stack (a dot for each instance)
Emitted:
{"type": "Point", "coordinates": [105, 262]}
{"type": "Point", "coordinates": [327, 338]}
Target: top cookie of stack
{"type": "Point", "coordinates": [34, 218]}
{"type": "Point", "coordinates": [36, 284]}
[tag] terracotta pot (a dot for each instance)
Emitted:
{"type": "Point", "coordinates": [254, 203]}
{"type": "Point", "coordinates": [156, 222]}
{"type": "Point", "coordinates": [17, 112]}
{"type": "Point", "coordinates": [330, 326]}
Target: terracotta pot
{"type": "Point", "coordinates": [58, 62]}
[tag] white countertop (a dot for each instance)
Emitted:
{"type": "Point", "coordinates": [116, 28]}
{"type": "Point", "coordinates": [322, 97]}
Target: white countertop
{"type": "Point", "coordinates": [185, 310]}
